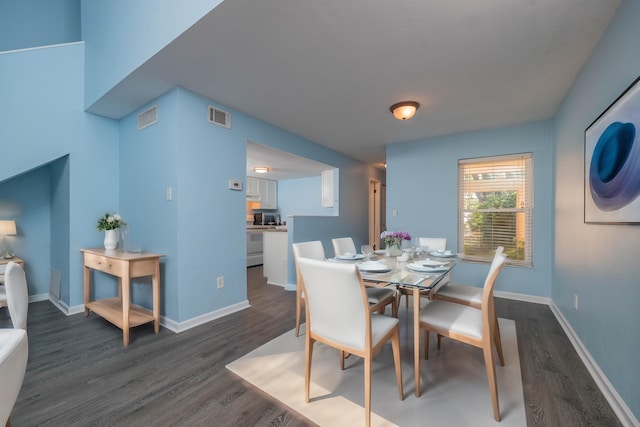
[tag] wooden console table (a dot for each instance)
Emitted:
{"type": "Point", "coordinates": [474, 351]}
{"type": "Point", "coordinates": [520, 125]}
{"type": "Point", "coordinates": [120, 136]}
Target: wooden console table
{"type": "Point", "coordinates": [5, 261]}
{"type": "Point", "coordinates": [126, 266]}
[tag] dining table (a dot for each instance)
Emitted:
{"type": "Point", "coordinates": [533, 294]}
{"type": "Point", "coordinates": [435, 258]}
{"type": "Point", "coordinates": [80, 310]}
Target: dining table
{"type": "Point", "coordinates": [417, 271]}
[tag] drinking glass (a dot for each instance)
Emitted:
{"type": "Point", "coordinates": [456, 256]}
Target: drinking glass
{"type": "Point", "coordinates": [366, 251]}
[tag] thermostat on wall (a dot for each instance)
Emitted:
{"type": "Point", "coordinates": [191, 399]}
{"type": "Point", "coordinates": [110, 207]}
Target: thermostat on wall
{"type": "Point", "coordinates": [235, 184]}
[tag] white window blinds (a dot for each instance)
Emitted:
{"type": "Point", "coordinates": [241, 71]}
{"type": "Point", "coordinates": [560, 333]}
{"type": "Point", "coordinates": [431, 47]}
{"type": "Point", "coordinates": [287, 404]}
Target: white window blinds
{"type": "Point", "coordinates": [495, 207]}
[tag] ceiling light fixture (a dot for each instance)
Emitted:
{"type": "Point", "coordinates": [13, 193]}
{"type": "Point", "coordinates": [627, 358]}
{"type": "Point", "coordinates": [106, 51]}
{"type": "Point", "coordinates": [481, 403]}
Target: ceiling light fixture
{"type": "Point", "coordinates": [404, 110]}
{"type": "Point", "coordinates": [261, 169]}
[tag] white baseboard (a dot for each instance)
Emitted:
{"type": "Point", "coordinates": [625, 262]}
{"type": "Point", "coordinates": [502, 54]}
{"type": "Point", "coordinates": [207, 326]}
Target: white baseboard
{"type": "Point", "coordinates": [178, 327]}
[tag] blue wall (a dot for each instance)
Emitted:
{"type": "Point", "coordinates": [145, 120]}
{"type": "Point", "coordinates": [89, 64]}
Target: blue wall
{"type": "Point", "coordinates": [598, 262]}
{"type": "Point", "coordinates": [41, 114]}
{"type": "Point", "coordinates": [422, 186]}
{"type": "Point", "coordinates": [32, 23]}
{"type": "Point", "coordinates": [302, 196]}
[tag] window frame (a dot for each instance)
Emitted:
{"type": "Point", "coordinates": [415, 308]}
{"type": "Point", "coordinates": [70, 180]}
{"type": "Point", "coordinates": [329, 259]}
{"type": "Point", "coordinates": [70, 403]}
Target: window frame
{"type": "Point", "coordinates": [481, 163]}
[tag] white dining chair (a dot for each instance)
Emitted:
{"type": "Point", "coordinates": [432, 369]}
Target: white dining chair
{"type": "Point", "coordinates": [345, 323]}
{"type": "Point", "coordinates": [471, 296]}
{"type": "Point", "coordinates": [14, 352]}
{"type": "Point", "coordinates": [380, 296]}
{"type": "Point", "coordinates": [470, 325]}
{"type": "Point", "coordinates": [432, 244]}
{"type": "Point", "coordinates": [311, 250]}
{"type": "Point", "coordinates": [343, 245]}
{"type": "Point", "coordinates": [17, 292]}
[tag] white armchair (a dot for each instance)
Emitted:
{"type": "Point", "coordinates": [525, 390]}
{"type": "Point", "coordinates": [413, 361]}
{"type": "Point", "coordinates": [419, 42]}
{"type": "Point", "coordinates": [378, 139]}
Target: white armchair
{"type": "Point", "coordinates": [14, 352]}
{"type": "Point", "coordinates": [17, 292]}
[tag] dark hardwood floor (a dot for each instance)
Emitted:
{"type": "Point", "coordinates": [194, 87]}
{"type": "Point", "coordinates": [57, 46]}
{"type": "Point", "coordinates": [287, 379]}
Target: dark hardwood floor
{"type": "Point", "coordinates": [79, 374]}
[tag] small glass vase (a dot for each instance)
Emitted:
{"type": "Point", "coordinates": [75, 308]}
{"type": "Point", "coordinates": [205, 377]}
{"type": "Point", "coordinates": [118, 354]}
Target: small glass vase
{"type": "Point", "coordinates": [393, 250]}
{"type": "Point", "coordinates": [110, 239]}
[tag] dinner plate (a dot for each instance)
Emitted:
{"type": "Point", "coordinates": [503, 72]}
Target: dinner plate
{"type": "Point", "coordinates": [373, 267]}
{"type": "Point", "coordinates": [431, 263]}
{"type": "Point", "coordinates": [424, 269]}
{"type": "Point", "coordinates": [350, 257]}
{"type": "Point", "coordinates": [443, 254]}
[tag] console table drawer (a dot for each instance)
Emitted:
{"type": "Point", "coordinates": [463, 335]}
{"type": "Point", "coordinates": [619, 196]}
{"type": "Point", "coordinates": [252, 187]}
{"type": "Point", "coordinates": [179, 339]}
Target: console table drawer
{"type": "Point", "coordinates": [102, 263]}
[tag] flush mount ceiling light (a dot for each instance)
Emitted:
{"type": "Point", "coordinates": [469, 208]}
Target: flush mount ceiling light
{"type": "Point", "coordinates": [404, 110]}
{"type": "Point", "coordinates": [261, 169]}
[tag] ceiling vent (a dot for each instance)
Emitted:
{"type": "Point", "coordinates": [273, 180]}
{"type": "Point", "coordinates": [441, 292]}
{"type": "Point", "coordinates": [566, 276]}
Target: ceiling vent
{"type": "Point", "coordinates": [219, 117]}
{"type": "Point", "coordinates": [148, 118]}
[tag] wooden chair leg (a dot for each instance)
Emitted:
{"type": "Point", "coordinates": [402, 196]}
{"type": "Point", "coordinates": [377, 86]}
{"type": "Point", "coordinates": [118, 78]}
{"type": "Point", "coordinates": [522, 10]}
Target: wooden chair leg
{"type": "Point", "coordinates": [307, 367]}
{"type": "Point", "coordinates": [342, 357]}
{"type": "Point", "coordinates": [491, 377]}
{"type": "Point", "coordinates": [395, 344]}
{"type": "Point", "coordinates": [439, 341]}
{"type": "Point", "coordinates": [367, 389]}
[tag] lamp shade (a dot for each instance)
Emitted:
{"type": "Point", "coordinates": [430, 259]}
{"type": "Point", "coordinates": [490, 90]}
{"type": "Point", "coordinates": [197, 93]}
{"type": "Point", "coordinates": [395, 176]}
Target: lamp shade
{"type": "Point", "coordinates": [7, 228]}
{"type": "Point", "coordinates": [404, 110]}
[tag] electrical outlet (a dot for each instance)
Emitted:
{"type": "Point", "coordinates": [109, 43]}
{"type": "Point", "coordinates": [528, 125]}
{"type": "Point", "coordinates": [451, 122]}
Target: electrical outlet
{"type": "Point", "coordinates": [169, 193]}
{"type": "Point", "coordinates": [575, 301]}
{"type": "Point", "coordinates": [394, 213]}
{"type": "Point", "coordinates": [220, 281]}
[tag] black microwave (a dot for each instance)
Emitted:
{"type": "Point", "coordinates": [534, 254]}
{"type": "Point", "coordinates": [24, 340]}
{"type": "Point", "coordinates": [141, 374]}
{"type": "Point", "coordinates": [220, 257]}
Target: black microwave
{"type": "Point", "coordinates": [264, 218]}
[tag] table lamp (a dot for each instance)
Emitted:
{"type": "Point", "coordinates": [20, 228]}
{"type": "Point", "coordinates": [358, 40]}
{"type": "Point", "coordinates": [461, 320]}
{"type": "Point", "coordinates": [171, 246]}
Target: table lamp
{"type": "Point", "coordinates": [7, 228]}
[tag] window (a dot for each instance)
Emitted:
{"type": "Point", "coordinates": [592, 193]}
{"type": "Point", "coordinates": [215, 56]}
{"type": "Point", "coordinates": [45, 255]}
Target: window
{"type": "Point", "coordinates": [495, 207]}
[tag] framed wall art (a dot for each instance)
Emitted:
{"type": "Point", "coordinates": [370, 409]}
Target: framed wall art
{"type": "Point", "coordinates": [612, 162]}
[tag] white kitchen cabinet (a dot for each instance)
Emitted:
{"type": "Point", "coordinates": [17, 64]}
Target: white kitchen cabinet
{"type": "Point", "coordinates": [327, 188]}
{"type": "Point", "coordinates": [268, 194]}
{"type": "Point", "coordinates": [253, 187]}
{"type": "Point", "coordinates": [275, 257]}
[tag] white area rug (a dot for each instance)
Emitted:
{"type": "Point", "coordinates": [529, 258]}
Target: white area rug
{"type": "Point", "coordinates": [454, 384]}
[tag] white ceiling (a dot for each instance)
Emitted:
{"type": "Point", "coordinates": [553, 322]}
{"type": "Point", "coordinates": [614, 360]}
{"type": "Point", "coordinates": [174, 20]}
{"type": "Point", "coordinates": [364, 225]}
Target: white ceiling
{"type": "Point", "coordinates": [329, 70]}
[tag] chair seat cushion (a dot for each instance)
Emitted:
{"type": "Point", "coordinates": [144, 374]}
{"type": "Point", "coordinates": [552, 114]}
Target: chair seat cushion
{"type": "Point", "coordinates": [375, 295]}
{"type": "Point", "coordinates": [380, 326]}
{"type": "Point", "coordinates": [454, 317]}
{"type": "Point", "coordinates": [468, 294]}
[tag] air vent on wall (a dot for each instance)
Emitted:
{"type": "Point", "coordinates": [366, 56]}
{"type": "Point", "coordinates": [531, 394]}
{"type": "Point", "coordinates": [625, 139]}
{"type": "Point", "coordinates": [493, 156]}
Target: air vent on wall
{"type": "Point", "coordinates": [219, 117]}
{"type": "Point", "coordinates": [148, 118]}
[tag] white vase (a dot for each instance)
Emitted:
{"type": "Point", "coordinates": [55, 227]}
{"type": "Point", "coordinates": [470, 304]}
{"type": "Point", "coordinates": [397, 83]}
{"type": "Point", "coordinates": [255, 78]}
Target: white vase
{"type": "Point", "coordinates": [110, 239]}
{"type": "Point", "coordinates": [393, 250]}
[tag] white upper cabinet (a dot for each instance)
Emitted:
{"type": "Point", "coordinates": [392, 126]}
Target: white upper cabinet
{"type": "Point", "coordinates": [327, 188]}
{"type": "Point", "coordinates": [264, 191]}
{"type": "Point", "coordinates": [268, 194]}
{"type": "Point", "coordinates": [253, 187]}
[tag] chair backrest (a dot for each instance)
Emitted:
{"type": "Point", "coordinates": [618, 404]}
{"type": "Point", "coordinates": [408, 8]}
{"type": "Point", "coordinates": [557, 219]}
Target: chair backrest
{"type": "Point", "coordinates": [15, 283]}
{"type": "Point", "coordinates": [14, 351]}
{"type": "Point", "coordinates": [343, 245]}
{"type": "Point", "coordinates": [337, 306]}
{"type": "Point", "coordinates": [488, 318]}
{"type": "Point", "coordinates": [433, 243]}
{"type": "Point", "coordinates": [313, 250]}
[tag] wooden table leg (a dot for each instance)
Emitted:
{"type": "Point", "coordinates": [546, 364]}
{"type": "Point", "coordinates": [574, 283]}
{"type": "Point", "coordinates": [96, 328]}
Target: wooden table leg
{"type": "Point", "coordinates": [416, 336]}
{"type": "Point", "coordinates": [87, 289]}
{"type": "Point", "coordinates": [155, 280]}
{"type": "Point", "coordinates": [126, 305]}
